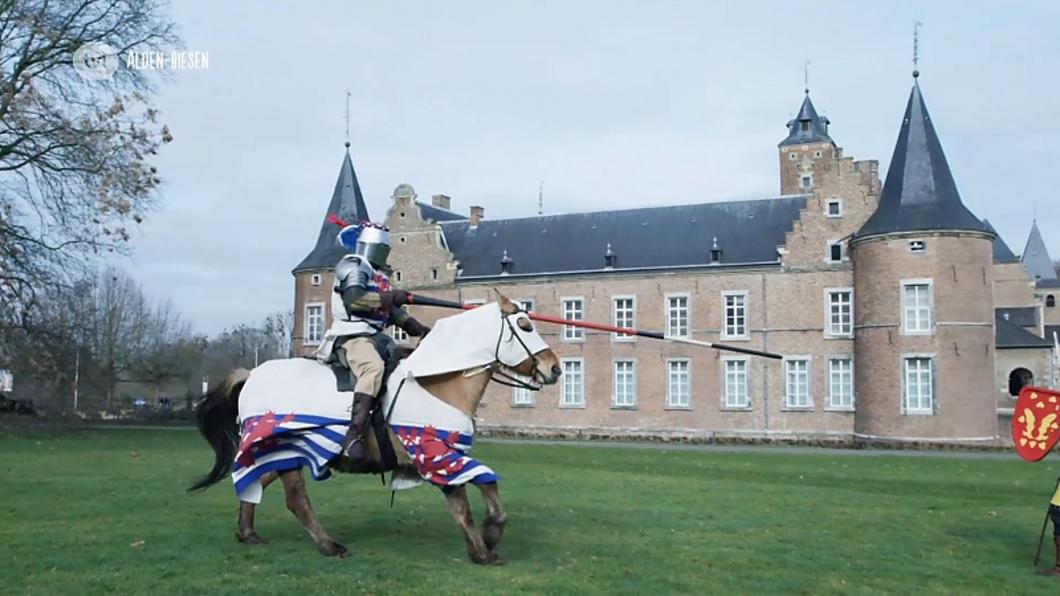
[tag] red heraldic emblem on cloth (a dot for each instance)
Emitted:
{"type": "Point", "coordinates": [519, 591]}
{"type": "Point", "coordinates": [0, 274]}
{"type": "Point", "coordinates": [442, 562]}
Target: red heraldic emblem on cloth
{"type": "Point", "coordinates": [1036, 422]}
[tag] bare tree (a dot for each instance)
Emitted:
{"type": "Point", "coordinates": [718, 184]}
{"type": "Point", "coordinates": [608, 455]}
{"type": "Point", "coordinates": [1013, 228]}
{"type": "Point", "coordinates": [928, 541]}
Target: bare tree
{"type": "Point", "coordinates": [75, 154]}
{"type": "Point", "coordinates": [278, 329]}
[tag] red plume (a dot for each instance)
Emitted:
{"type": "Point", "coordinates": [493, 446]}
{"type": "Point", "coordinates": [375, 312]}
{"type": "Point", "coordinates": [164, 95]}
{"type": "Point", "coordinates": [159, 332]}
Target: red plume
{"type": "Point", "coordinates": [335, 219]}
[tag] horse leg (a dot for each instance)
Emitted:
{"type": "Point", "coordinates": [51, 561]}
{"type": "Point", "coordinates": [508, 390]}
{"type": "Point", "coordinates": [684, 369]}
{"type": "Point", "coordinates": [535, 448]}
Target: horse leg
{"type": "Point", "coordinates": [247, 534]}
{"type": "Point", "coordinates": [461, 510]}
{"type": "Point", "coordinates": [496, 518]}
{"type": "Point", "coordinates": [298, 503]}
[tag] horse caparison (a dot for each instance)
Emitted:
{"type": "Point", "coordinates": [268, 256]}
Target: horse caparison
{"type": "Point", "coordinates": [216, 417]}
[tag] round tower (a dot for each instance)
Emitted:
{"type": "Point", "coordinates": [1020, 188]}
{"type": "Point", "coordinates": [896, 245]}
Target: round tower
{"type": "Point", "coordinates": [924, 312]}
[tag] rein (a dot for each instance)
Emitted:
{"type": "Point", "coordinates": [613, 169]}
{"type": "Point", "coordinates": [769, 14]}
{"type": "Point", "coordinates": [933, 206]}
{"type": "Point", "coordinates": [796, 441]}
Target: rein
{"type": "Point", "coordinates": [510, 380]}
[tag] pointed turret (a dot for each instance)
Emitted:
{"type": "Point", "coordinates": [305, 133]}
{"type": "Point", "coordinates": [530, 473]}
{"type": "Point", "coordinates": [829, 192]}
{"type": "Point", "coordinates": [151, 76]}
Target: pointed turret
{"type": "Point", "coordinates": [807, 126]}
{"type": "Point", "coordinates": [919, 193]}
{"type": "Point", "coordinates": [1035, 258]}
{"type": "Point", "coordinates": [348, 204]}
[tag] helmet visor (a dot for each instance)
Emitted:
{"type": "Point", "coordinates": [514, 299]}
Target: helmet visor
{"type": "Point", "coordinates": [375, 253]}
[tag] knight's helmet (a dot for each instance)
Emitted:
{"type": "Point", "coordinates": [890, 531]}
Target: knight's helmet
{"type": "Point", "coordinates": [368, 240]}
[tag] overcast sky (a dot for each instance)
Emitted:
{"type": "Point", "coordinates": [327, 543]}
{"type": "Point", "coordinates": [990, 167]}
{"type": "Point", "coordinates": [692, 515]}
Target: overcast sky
{"type": "Point", "coordinates": [611, 104]}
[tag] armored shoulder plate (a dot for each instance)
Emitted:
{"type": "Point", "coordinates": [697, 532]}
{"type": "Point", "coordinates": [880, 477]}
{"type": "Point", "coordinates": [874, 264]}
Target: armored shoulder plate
{"type": "Point", "coordinates": [352, 270]}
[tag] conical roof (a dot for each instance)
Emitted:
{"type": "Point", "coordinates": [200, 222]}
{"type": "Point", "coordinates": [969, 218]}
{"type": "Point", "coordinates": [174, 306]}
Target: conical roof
{"type": "Point", "coordinates": [348, 204]}
{"type": "Point", "coordinates": [919, 192]}
{"type": "Point", "coordinates": [1035, 259]}
{"type": "Point", "coordinates": [807, 127]}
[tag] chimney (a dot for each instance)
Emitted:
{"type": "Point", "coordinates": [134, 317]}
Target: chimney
{"type": "Point", "coordinates": [610, 258]}
{"type": "Point", "coordinates": [477, 215]}
{"type": "Point", "coordinates": [506, 263]}
{"type": "Point", "coordinates": [442, 201]}
{"type": "Point", "coordinates": [715, 253]}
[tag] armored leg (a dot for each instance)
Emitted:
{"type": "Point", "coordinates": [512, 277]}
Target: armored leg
{"type": "Point", "coordinates": [367, 366]}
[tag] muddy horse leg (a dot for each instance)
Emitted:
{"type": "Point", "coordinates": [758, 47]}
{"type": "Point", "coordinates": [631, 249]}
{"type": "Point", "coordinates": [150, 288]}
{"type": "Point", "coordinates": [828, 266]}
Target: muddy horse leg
{"type": "Point", "coordinates": [246, 533]}
{"type": "Point", "coordinates": [298, 503]}
{"type": "Point", "coordinates": [493, 525]}
{"type": "Point", "coordinates": [461, 510]}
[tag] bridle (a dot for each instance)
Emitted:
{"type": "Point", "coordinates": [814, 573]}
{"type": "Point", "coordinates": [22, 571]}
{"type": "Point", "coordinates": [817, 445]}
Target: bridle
{"type": "Point", "coordinates": [499, 376]}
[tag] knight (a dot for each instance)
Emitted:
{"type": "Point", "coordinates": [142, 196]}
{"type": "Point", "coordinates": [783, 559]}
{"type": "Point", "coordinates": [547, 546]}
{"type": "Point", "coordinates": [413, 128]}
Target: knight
{"type": "Point", "coordinates": [363, 305]}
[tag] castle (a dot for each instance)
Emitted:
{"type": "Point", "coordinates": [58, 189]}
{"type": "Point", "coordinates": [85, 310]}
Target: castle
{"type": "Point", "coordinates": [901, 315]}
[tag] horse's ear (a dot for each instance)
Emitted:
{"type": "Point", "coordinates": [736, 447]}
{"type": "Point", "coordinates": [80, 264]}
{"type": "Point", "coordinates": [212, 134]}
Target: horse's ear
{"type": "Point", "coordinates": [501, 298]}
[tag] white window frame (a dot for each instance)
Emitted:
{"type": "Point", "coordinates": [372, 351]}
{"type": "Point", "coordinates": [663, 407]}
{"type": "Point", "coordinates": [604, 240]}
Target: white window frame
{"type": "Point", "coordinates": [614, 384]}
{"type": "Point", "coordinates": [919, 410]}
{"type": "Point", "coordinates": [523, 398]}
{"type": "Point", "coordinates": [614, 317]}
{"type": "Point", "coordinates": [802, 177]}
{"type": "Point", "coordinates": [564, 402]}
{"type": "Point", "coordinates": [308, 339]}
{"type": "Point", "coordinates": [726, 403]}
{"type": "Point", "coordinates": [572, 334]}
{"type": "Point", "coordinates": [397, 275]}
{"type": "Point", "coordinates": [527, 304]}
{"type": "Point", "coordinates": [788, 397]}
{"type": "Point", "coordinates": [828, 208]}
{"type": "Point", "coordinates": [829, 331]}
{"type": "Point", "coordinates": [670, 402]}
{"type": "Point", "coordinates": [315, 279]}
{"type": "Point", "coordinates": [917, 246]}
{"type": "Point", "coordinates": [842, 252]}
{"type": "Point", "coordinates": [905, 330]}
{"type": "Point", "coordinates": [746, 295]}
{"type": "Point", "coordinates": [400, 335]}
{"type": "Point", "coordinates": [688, 313]}
{"type": "Point", "coordinates": [832, 396]}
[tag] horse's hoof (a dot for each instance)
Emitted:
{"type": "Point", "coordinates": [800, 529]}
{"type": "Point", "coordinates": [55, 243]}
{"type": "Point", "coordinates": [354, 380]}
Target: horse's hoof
{"type": "Point", "coordinates": [495, 559]}
{"type": "Point", "coordinates": [479, 558]}
{"type": "Point", "coordinates": [1050, 572]}
{"type": "Point", "coordinates": [335, 550]}
{"type": "Point", "coordinates": [251, 539]}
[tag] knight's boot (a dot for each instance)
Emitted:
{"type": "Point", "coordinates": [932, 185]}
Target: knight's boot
{"type": "Point", "coordinates": [353, 446]}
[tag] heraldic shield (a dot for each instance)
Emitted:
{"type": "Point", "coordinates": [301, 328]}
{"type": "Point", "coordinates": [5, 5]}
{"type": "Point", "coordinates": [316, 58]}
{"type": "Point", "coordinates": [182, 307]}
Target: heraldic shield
{"type": "Point", "coordinates": [1036, 422]}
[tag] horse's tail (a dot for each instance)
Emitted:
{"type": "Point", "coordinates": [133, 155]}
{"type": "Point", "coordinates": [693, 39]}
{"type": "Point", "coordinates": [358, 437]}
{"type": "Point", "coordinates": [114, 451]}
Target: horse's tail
{"type": "Point", "coordinates": [216, 418]}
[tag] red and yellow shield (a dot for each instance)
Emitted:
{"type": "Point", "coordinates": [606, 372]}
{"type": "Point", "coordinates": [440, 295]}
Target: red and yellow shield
{"type": "Point", "coordinates": [1036, 422]}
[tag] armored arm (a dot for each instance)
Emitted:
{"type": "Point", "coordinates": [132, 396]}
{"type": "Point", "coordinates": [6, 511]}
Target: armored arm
{"type": "Point", "coordinates": [352, 277]}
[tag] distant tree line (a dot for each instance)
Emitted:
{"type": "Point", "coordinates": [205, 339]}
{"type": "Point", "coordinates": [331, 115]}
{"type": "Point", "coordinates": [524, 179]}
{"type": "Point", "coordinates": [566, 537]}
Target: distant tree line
{"type": "Point", "coordinates": [102, 340]}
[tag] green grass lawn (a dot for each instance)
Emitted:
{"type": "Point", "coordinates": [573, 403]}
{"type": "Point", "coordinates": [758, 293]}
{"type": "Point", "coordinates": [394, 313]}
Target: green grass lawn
{"type": "Point", "coordinates": [106, 511]}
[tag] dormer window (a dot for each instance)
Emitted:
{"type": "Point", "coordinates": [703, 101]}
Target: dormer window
{"type": "Point", "coordinates": [804, 125]}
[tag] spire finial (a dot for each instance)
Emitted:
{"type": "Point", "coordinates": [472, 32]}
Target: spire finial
{"type": "Point", "coordinates": [916, 48]}
{"type": "Point", "coordinates": [806, 77]}
{"type": "Point", "coordinates": [541, 197]}
{"type": "Point", "coordinates": [347, 119]}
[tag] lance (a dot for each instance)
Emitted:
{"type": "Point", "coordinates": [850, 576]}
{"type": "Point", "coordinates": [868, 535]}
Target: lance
{"type": "Point", "coordinates": [428, 301]}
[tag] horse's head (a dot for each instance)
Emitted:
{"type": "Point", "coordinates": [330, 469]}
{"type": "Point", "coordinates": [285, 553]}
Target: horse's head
{"type": "Point", "coordinates": [522, 349]}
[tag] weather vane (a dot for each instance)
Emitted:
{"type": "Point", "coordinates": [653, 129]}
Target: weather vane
{"type": "Point", "coordinates": [806, 77]}
{"type": "Point", "coordinates": [347, 118]}
{"type": "Point", "coordinates": [916, 48]}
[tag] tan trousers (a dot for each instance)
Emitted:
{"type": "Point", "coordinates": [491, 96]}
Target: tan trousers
{"type": "Point", "coordinates": [365, 362]}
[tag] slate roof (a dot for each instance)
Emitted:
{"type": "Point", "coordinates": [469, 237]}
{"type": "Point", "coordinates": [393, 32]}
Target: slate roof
{"type": "Point", "coordinates": [1007, 335]}
{"type": "Point", "coordinates": [816, 130]}
{"type": "Point", "coordinates": [1047, 284]}
{"type": "Point", "coordinates": [1020, 316]}
{"type": "Point", "coordinates": [1002, 253]}
{"type": "Point", "coordinates": [346, 202]}
{"type": "Point", "coordinates": [919, 192]}
{"type": "Point", "coordinates": [645, 238]}
{"type": "Point", "coordinates": [1035, 258]}
{"type": "Point", "coordinates": [437, 213]}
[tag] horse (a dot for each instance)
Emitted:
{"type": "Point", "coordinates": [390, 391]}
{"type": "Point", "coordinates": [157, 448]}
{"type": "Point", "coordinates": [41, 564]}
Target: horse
{"type": "Point", "coordinates": [435, 391]}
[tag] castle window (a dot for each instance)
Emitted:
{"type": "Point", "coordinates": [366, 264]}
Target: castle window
{"type": "Point", "coordinates": [1050, 301]}
{"type": "Point", "coordinates": [434, 274]}
{"type": "Point", "coordinates": [677, 315]}
{"type": "Point", "coordinates": [573, 310]}
{"type": "Point", "coordinates": [734, 323]}
{"type": "Point", "coordinates": [917, 389]}
{"type": "Point", "coordinates": [835, 252]}
{"type": "Point", "coordinates": [625, 384]}
{"type": "Point", "coordinates": [839, 313]}
{"type": "Point", "coordinates": [526, 304]}
{"type": "Point", "coordinates": [397, 276]}
{"type": "Point", "coordinates": [402, 215]}
{"type": "Point", "coordinates": [792, 156]}
{"type": "Point", "coordinates": [834, 208]}
{"type": "Point", "coordinates": [679, 383]}
{"type": "Point", "coordinates": [734, 389]}
{"type": "Point", "coordinates": [916, 246]}
{"type": "Point", "coordinates": [401, 239]}
{"type": "Point", "coordinates": [817, 154]}
{"type": "Point", "coordinates": [623, 315]}
{"type": "Point", "coordinates": [797, 382]}
{"type": "Point", "coordinates": [399, 334]}
{"type": "Point", "coordinates": [804, 125]}
{"type": "Point", "coordinates": [315, 279]}
{"type": "Point", "coordinates": [314, 323]}
{"type": "Point", "coordinates": [916, 306]}
{"type": "Point", "coordinates": [572, 391]}
{"type": "Point", "coordinates": [841, 383]}
{"type": "Point", "coordinates": [807, 181]}
{"type": "Point", "coordinates": [523, 398]}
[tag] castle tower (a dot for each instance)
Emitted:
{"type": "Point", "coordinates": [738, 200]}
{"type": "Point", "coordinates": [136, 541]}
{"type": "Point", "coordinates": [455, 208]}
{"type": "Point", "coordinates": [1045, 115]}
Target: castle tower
{"type": "Point", "coordinates": [314, 276]}
{"type": "Point", "coordinates": [923, 293]}
{"type": "Point", "coordinates": [806, 146]}
{"type": "Point", "coordinates": [1035, 258]}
